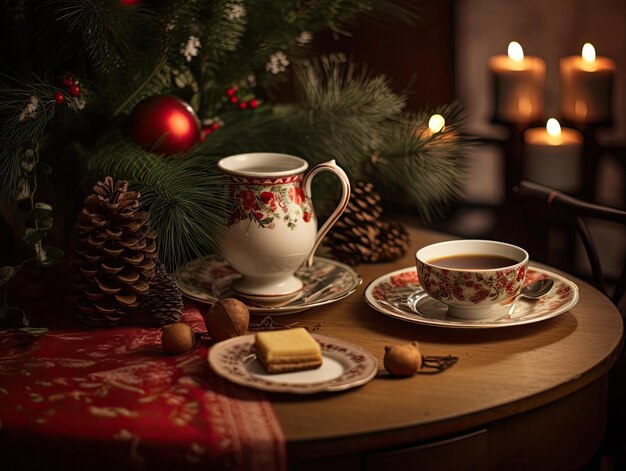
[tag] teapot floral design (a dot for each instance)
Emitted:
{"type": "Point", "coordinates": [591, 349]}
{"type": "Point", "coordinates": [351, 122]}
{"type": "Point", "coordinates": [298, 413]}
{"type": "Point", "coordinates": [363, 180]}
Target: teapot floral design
{"type": "Point", "coordinates": [272, 229]}
{"type": "Point", "coordinates": [266, 205]}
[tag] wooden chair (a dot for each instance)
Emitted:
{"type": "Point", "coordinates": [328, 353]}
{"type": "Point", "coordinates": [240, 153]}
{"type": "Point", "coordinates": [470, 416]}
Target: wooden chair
{"type": "Point", "coordinates": [578, 211]}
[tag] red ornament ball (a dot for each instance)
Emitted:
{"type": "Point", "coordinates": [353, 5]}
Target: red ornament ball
{"type": "Point", "coordinates": [59, 98]}
{"type": "Point", "coordinates": [165, 124]}
{"type": "Point", "coordinates": [74, 90]}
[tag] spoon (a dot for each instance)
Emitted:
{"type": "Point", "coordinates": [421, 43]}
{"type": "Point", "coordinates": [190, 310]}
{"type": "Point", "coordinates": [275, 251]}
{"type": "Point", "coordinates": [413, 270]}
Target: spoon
{"type": "Point", "coordinates": [534, 290]}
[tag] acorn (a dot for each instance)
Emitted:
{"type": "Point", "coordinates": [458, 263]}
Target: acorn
{"type": "Point", "coordinates": [227, 318]}
{"type": "Point", "coordinates": [403, 360]}
{"type": "Point", "coordinates": [177, 338]}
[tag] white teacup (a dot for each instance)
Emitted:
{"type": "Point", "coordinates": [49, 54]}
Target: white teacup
{"type": "Point", "coordinates": [272, 230]}
{"type": "Point", "coordinates": [471, 276]}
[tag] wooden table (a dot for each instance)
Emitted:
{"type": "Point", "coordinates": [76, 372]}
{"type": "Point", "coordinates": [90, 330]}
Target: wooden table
{"type": "Point", "coordinates": [526, 397]}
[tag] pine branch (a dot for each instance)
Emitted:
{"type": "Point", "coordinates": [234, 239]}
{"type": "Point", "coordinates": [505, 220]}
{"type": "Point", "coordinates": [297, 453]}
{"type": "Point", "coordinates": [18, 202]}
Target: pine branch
{"type": "Point", "coordinates": [225, 28]}
{"type": "Point", "coordinates": [157, 80]}
{"type": "Point", "coordinates": [185, 197]}
{"type": "Point", "coordinates": [26, 111]}
{"type": "Point", "coordinates": [346, 114]}
{"type": "Point", "coordinates": [345, 105]}
{"type": "Point", "coordinates": [10, 169]}
{"type": "Point", "coordinates": [103, 30]}
{"type": "Point", "coordinates": [421, 168]}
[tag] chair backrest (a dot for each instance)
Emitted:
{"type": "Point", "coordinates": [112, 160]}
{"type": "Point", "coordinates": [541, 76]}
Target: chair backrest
{"type": "Point", "coordinates": [578, 211]}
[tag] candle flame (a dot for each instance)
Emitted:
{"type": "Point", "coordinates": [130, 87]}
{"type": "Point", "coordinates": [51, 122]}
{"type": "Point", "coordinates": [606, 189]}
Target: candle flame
{"type": "Point", "coordinates": [553, 127]}
{"type": "Point", "coordinates": [589, 52]}
{"type": "Point", "coordinates": [516, 53]}
{"type": "Point", "coordinates": [436, 123]}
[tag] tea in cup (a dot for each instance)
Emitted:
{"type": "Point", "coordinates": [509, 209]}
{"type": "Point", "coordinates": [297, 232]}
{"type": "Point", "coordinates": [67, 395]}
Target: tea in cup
{"type": "Point", "coordinates": [272, 230]}
{"type": "Point", "coordinates": [471, 276]}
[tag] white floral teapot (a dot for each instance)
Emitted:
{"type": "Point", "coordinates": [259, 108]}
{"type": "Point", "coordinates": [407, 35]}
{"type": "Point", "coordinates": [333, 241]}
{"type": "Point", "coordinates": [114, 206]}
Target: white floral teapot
{"type": "Point", "coordinates": [272, 230]}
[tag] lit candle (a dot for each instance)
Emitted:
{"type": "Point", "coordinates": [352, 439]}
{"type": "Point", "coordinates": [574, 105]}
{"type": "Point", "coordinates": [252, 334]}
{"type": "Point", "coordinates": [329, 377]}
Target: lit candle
{"type": "Point", "coordinates": [587, 87]}
{"type": "Point", "coordinates": [553, 156]}
{"type": "Point", "coordinates": [517, 85]}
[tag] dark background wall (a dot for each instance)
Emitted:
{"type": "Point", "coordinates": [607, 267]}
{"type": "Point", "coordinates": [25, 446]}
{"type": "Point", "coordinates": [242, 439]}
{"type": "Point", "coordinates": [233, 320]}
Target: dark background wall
{"type": "Point", "coordinates": [419, 58]}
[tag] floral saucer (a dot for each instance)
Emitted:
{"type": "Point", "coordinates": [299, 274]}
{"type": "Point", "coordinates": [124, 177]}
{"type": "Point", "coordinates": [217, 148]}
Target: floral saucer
{"type": "Point", "coordinates": [398, 294]}
{"type": "Point", "coordinates": [209, 279]}
{"type": "Point", "coordinates": [345, 366]}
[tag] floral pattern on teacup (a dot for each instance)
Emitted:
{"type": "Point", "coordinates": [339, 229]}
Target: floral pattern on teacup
{"type": "Point", "coordinates": [398, 295]}
{"type": "Point", "coordinates": [267, 204]}
{"type": "Point", "coordinates": [471, 286]}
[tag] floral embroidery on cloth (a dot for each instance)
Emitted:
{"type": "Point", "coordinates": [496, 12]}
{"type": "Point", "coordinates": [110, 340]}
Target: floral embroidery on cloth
{"type": "Point", "coordinates": [112, 398]}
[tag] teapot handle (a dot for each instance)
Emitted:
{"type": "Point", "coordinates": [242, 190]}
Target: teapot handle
{"type": "Point", "coordinates": [330, 166]}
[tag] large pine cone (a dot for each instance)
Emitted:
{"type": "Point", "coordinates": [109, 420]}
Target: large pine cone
{"type": "Point", "coordinates": [359, 235]}
{"type": "Point", "coordinates": [164, 304]}
{"type": "Point", "coordinates": [113, 256]}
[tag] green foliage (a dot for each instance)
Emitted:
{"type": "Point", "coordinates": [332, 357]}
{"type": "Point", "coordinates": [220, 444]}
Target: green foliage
{"type": "Point", "coordinates": [343, 113]}
{"type": "Point", "coordinates": [26, 111]}
{"type": "Point", "coordinates": [421, 168]}
{"type": "Point", "coordinates": [103, 28]}
{"type": "Point", "coordinates": [184, 196]}
{"type": "Point", "coordinates": [198, 49]}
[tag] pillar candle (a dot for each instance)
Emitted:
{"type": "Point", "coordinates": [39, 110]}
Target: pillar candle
{"type": "Point", "coordinates": [587, 87]}
{"type": "Point", "coordinates": [518, 82]}
{"type": "Point", "coordinates": [553, 156]}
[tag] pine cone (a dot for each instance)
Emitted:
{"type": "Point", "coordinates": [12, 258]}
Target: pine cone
{"type": "Point", "coordinates": [113, 256]}
{"type": "Point", "coordinates": [359, 236]}
{"type": "Point", "coordinates": [164, 304]}
{"type": "Point", "coordinates": [392, 243]}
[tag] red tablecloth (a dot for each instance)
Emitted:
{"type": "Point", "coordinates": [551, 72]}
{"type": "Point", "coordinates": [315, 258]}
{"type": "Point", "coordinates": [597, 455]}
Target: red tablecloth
{"type": "Point", "coordinates": [83, 398]}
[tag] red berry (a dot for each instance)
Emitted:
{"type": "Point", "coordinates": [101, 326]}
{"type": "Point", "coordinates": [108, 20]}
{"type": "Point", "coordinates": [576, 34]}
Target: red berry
{"type": "Point", "coordinates": [205, 132]}
{"type": "Point", "coordinates": [215, 126]}
{"type": "Point", "coordinates": [243, 105]}
{"type": "Point", "coordinates": [67, 80]}
{"type": "Point", "coordinates": [74, 90]}
{"type": "Point", "coordinates": [234, 99]}
{"type": "Point", "coordinates": [254, 104]}
{"type": "Point", "coordinates": [59, 98]}
{"type": "Point", "coordinates": [232, 91]}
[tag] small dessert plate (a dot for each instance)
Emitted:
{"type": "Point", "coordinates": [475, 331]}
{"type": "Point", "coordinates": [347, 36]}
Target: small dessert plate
{"type": "Point", "coordinates": [345, 366]}
{"type": "Point", "coordinates": [209, 279]}
{"type": "Point", "coordinates": [399, 295]}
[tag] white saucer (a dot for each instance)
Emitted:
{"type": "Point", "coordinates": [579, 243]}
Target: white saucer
{"type": "Point", "coordinates": [345, 366]}
{"type": "Point", "coordinates": [208, 279]}
{"type": "Point", "coordinates": [399, 295]}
